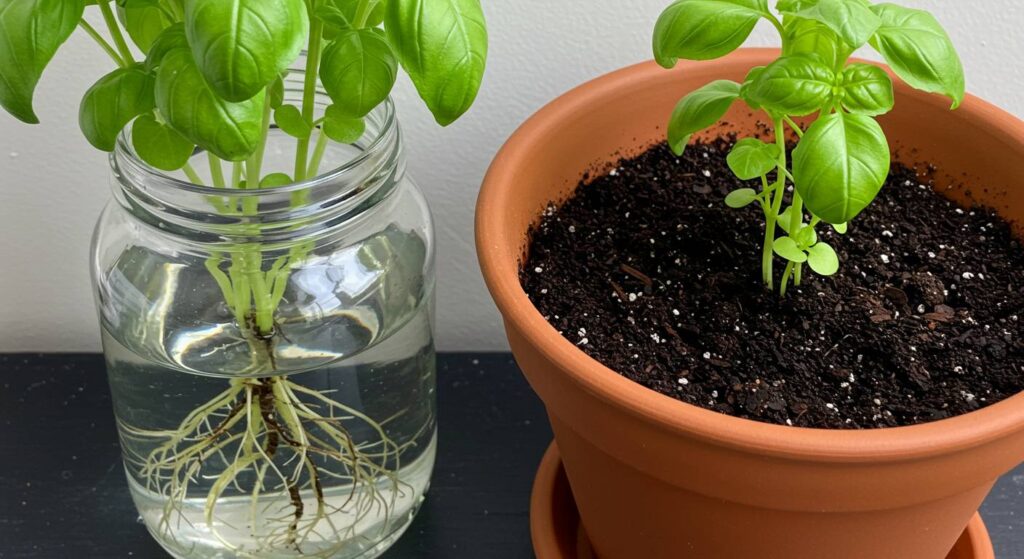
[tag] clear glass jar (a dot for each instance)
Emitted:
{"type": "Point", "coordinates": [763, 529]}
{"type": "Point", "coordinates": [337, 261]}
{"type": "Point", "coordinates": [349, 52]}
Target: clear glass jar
{"type": "Point", "coordinates": [270, 351]}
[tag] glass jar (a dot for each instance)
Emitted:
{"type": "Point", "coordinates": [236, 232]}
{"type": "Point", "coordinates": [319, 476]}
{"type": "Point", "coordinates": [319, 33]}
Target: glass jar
{"type": "Point", "coordinates": [270, 351]}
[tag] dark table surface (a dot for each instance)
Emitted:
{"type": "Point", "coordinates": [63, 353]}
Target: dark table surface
{"type": "Point", "coordinates": [63, 491]}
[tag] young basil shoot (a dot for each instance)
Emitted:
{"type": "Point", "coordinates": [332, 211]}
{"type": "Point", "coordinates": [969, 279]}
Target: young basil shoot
{"type": "Point", "coordinates": [842, 159]}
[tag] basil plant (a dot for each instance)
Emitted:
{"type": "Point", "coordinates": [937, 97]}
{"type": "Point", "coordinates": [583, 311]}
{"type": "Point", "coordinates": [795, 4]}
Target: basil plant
{"type": "Point", "coordinates": [208, 73]}
{"type": "Point", "coordinates": [842, 159]}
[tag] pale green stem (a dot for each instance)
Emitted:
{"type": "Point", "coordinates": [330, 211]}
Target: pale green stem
{"type": "Point", "coordinates": [107, 48]}
{"type": "Point", "coordinates": [785, 279]}
{"type": "Point", "coordinates": [776, 23]}
{"type": "Point", "coordinates": [115, 33]}
{"type": "Point", "coordinates": [236, 174]}
{"type": "Point", "coordinates": [796, 127]}
{"type": "Point", "coordinates": [318, 155]}
{"type": "Point", "coordinates": [796, 222]}
{"type": "Point", "coordinates": [309, 95]}
{"type": "Point", "coordinates": [767, 254]}
{"type": "Point", "coordinates": [216, 171]}
{"type": "Point", "coordinates": [192, 175]}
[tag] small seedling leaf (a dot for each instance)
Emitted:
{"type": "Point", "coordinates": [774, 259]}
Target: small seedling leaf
{"type": "Point", "coordinates": [741, 198]}
{"type": "Point", "coordinates": [289, 119]}
{"type": "Point", "coordinates": [341, 128]}
{"type": "Point", "coordinates": [751, 158]}
{"type": "Point", "coordinates": [275, 179]}
{"type": "Point", "coordinates": [787, 248]}
{"type": "Point", "coordinates": [822, 259]}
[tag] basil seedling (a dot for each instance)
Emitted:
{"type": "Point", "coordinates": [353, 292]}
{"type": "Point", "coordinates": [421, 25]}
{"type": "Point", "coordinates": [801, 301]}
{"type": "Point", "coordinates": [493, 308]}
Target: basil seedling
{"type": "Point", "coordinates": [842, 159]}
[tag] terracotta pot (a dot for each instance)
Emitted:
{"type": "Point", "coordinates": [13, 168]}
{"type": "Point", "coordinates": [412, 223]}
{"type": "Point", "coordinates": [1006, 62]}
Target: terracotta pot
{"type": "Point", "coordinates": [557, 534]}
{"type": "Point", "coordinates": [656, 478]}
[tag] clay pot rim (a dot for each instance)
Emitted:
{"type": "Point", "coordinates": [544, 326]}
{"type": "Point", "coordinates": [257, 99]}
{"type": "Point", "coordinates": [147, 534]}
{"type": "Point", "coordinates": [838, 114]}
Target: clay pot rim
{"type": "Point", "coordinates": [824, 445]}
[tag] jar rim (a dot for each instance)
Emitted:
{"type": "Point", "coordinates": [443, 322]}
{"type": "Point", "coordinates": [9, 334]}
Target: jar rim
{"type": "Point", "coordinates": [378, 141]}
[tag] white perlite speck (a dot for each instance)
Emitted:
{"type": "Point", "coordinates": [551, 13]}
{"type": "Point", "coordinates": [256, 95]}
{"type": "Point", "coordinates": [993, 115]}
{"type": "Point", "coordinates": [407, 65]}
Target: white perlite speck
{"type": "Point", "coordinates": [885, 258]}
{"type": "Point", "coordinates": [584, 341]}
{"type": "Point", "coordinates": [707, 173]}
{"type": "Point", "coordinates": [683, 381]}
{"type": "Point", "coordinates": [632, 297]}
{"type": "Point", "coordinates": [967, 275]}
{"type": "Point", "coordinates": [539, 270]}
{"type": "Point", "coordinates": [707, 355]}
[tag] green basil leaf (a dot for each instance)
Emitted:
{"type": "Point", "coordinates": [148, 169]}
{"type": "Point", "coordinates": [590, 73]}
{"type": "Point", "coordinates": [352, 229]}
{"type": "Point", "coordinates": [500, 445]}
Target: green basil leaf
{"type": "Point", "coordinates": [806, 236]}
{"type": "Point", "coordinates": [822, 259]}
{"type": "Point", "coordinates": [809, 37]}
{"type": "Point", "coordinates": [840, 228]}
{"type": "Point", "coordinates": [794, 85]}
{"type": "Point", "coordinates": [341, 128]}
{"type": "Point", "coordinates": [840, 165]}
{"type": "Point", "coordinates": [704, 29]}
{"type": "Point", "coordinates": [144, 20]}
{"type": "Point", "coordinates": [160, 145]}
{"type": "Point", "coordinates": [794, 5]}
{"type": "Point", "coordinates": [867, 90]}
{"type": "Point", "coordinates": [275, 179]}
{"type": "Point", "coordinates": [787, 248]}
{"type": "Point", "coordinates": [289, 119]}
{"type": "Point", "coordinates": [748, 83]}
{"type": "Point", "coordinates": [341, 14]}
{"type": "Point", "coordinates": [850, 19]}
{"type": "Point", "coordinates": [112, 102]}
{"type": "Point", "coordinates": [358, 71]}
{"type": "Point", "coordinates": [785, 219]}
{"type": "Point", "coordinates": [699, 110]}
{"type": "Point", "coordinates": [918, 49]}
{"type": "Point", "coordinates": [751, 158]}
{"type": "Point", "coordinates": [276, 92]}
{"type": "Point", "coordinates": [333, 17]}
{"type": "Point", "coordinates": [240, 46]}
{"type": "Point", "coordinates": [170, 39]}
{"type": "Point", "coordinates": [229, 130]}
{"type": "Point", "coordinates": [741, 198]}
{"type": "Point", "coordinates": [32, 30]}
{"type": "Point", "coordinates": [442, 44]}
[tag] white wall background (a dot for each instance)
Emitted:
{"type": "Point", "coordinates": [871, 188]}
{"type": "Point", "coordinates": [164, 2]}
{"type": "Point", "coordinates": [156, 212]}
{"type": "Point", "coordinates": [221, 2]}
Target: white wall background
{"type": "Point", "coordinates": [53, 184]}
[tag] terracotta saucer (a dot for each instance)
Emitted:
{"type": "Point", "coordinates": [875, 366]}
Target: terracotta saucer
{"type": "Point", "coordinates": [557, 533]}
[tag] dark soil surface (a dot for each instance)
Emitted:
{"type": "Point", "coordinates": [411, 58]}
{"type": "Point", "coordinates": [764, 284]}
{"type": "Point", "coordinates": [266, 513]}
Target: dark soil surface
{"type": "Point", "coordinates": [648, 271]}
